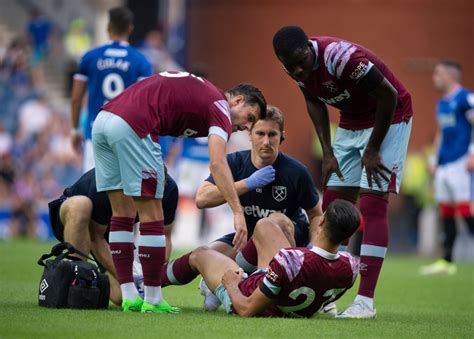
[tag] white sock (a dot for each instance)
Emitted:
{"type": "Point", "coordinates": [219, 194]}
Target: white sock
{"type": "Point", "coordinates": [366, 300]}
{"type": "Point", "coordinates": [129, 291]}
{"type": "Point", "coordinates": [153, 295]}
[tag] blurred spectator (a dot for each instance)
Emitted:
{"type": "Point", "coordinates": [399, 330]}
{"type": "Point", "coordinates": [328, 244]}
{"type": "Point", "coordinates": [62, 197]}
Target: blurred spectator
{"type": "Point", "coordinates": [416, 193]}
{"type": "Point", "coordinates": [39, 31]}
{"type": "Point", "coordinates": [6, 141]}
{"type": "Point", "coordinates": [154, 49]}
{"type": "Point", "coordinates": [77, 42]}
{"type": "Point", "coordinates": [34, 115]}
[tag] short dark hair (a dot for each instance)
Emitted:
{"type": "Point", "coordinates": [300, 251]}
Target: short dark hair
{"type": "Point", "coordinates": [120, 20]}
{"type": "Point", "coordinates": [451, 63]}
{"type": "Point", "coordinates": [342, 219]}
{"type": "Point", "coordinates": [288, 39]}
{"type": "Point", "coordinates": [252, 96]}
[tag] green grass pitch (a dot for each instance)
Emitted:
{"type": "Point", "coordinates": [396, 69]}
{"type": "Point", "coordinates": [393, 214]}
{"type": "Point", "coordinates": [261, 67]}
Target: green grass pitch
{"type": "Point", "coordinates": [408, 305]}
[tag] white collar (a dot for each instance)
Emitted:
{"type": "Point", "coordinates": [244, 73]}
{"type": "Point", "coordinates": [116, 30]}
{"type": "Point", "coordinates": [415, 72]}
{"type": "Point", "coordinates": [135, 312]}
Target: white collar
{"type": "Point", "coordinates": [120, 42]}
{"type": "Point", "coordinates": [323, 253]}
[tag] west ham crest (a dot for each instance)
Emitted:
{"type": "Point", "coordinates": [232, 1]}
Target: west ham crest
{"type": "Point", "coordinates": [279, 193]}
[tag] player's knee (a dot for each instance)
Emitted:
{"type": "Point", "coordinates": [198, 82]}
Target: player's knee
{"type": "Point", "coordinates": [285, 224]}
{"type": "Point", "coordinates": [265, 226]}
{"type": "Point", "coordinates": [76, 210]}
{"type": "Point", "coordinates": [198, 255]}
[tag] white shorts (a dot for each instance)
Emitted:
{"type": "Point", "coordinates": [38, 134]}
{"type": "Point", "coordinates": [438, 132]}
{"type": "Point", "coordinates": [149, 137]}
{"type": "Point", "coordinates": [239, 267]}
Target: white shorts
{"type": "Point", "coordinates": [88, 162]}
{"type": "Point", "coordinates": [453, 182]}
{"type": "Point", "coordinates": [190, 175]}
{"type": "Point", "coordinates": [349, 146]}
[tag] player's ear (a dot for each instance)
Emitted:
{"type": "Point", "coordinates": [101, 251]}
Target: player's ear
{"type": "Point", "coordinates": [282, 137]}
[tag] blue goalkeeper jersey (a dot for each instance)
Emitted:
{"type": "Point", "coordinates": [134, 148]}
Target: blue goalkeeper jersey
{"type": "Point", "coordinates": [453, 114]}
{"type": "Point", "coordinates": [108, 70]}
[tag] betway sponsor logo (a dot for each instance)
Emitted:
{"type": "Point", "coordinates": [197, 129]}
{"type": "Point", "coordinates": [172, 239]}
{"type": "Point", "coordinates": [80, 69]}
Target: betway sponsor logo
{"type": "Point", "coordinates": [331, 101]}
{"type": "Point", "coordinates": [258, 212]}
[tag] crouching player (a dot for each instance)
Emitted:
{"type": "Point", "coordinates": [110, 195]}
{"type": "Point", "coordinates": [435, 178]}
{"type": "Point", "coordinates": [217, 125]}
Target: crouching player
{"type": "Point", "coordinates": [81, 217]}
{"type": "Point", "coordinates": [293, 281]}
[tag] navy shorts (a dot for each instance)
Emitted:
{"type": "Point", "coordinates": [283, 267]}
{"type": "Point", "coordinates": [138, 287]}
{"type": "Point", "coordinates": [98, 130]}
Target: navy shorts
{"type": "Point", "coordinates": [301, 235]}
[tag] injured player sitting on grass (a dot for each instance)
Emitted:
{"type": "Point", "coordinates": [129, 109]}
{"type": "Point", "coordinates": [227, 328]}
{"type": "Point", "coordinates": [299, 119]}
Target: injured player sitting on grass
{"type": "Point", "coordinates": [291, 281]}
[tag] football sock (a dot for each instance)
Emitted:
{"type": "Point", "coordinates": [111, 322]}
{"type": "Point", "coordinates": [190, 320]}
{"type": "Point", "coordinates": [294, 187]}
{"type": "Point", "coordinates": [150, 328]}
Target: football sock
{"type": "Point", "coordinates": [329, 196]}
{"type": "Point", "coordinates": [374, 242]}
{"type": "Point", "coordinates": [448, 215]}
{"type": "Point", "coordinates": [152, 253]}
{"type": "Point", "coordinates": [247, 259]}
{"type": "Point", "coordinates": [449, 227]}
{"type": "Point", "coordinates": [121, 247]}
{"type": "Point", "coordinates": [464, 210]}
{"type": "Point", "coordinates": [178, 272]}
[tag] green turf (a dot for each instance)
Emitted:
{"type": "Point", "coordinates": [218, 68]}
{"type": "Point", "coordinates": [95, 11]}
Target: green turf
{"type": "Point", "coordinates": [408, 305]}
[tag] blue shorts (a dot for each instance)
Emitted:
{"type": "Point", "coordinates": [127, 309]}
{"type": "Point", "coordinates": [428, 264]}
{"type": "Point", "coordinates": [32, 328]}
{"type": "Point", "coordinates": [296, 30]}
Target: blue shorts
{"type": "Point", "coordinates": [349, 146]}
{"type": "Point", "coordinates": [124, 161]}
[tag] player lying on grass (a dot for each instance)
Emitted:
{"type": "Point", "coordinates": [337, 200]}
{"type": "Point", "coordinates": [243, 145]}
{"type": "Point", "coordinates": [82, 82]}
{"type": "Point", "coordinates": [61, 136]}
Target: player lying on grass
{"type": "Point", "coordinates": [271, 185]}
{"type": "Point", "coordinates": [81, 216]}
{"type": "Point", "coordinates": [292, 281]}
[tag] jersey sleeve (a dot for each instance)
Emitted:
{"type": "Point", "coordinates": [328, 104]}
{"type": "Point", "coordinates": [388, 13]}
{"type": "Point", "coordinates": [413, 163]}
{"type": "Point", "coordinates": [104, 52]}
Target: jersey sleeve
{"type": "Point", "coordinates": [219, 119]}
{"type": "Point", "coordinates": [282, 270]}
{"type": "Point", "coordinates": [274, 280]}
{"type": "Point", "coordinates": [83, 72]}
{"type": "Point", "coordinates": [308, 197]}
{"type": "Point", "coordinates": [170, 200]}
{"type": "Point", "coordinates": [346, 61]}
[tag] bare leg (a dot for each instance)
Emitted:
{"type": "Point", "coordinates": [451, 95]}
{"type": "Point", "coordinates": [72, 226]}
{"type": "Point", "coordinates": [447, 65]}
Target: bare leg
{"type": "Point", "coordinates": [75, 214]}
{"type": "Point", "coordinates": [212, 265]}
{"type": "Point", "coordinates": [169, 244]}
{"type": "Point", "coordinates": [223, 248]}
{"type": "Point", "coordinates": [269, 239]}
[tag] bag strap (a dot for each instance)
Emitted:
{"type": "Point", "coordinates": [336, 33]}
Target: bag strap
{"type": "Point", "coordinates": [58, 252]}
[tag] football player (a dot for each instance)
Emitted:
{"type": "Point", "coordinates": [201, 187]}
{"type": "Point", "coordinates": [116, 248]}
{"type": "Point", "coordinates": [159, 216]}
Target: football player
{"type": "Point", "coordinates": [105, 72]}
{"type": "Point", "coordinates": [370, 145]}
{"type": "Point", "coordinates": [455, 159]}
{"type": "Point", "coordinates": [292, 281]}
{"type": "Point", "coordinates": [130, 168]}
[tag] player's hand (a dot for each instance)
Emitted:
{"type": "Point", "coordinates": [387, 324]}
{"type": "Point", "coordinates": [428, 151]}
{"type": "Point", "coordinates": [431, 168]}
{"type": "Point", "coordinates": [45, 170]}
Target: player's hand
{"type": "Point", "coordinates": [470, 163]}
{"type": "Point", "coordinates": [330, 165]}
{"type": "Point", "coordinates": [232, 278]}
{"type": "Point", "coordinates": [240, 238]}
{"type": "Point", "coordinates": [375, 169]}
{"type": "Point", "coordinates": [76, 140]}
{"type": "Point", "coordinates": [260, 178]}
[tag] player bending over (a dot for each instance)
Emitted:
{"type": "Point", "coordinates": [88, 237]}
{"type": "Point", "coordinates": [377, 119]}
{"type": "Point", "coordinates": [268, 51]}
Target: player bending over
{"type": "Point", "coordinates": [368, 153]}
{"type": "Point", "coordinates": [292, 281]}
{"type": "Point", "coordinates": [81, 217]}
{"type": "Point", "coordinates": [129, 165]}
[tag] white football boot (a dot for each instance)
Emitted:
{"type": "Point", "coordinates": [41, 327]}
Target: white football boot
{"type": "Point", "coordinates": [358, 310]}
{"type": "Point", "coordinates": [330, 309]}
{"type": "Point", "coordinates": [211, 302]}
